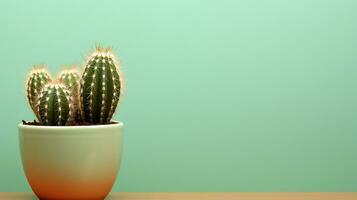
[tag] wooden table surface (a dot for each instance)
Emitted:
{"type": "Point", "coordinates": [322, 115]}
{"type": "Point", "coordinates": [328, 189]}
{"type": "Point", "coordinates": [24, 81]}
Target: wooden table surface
{"type": "Point", "coordinates": [205, 196]}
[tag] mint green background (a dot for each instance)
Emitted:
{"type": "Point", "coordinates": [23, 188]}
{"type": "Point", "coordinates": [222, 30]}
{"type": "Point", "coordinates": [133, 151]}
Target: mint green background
{"type": "Point", "coordinates": [222, 95]}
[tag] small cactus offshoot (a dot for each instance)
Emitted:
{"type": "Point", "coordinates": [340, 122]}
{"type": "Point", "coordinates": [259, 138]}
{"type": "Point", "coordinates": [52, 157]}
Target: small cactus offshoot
{"type": "Point", "coordinates": [37, 79]}
{"type": "Point", "coordinates": [89, 98]}
{"type": "Point", "coordinates": [100, 87]}
{"type": "Point", "coordinates": [70, 78]}
{"type": "Point", "coordinates": [55, 106]}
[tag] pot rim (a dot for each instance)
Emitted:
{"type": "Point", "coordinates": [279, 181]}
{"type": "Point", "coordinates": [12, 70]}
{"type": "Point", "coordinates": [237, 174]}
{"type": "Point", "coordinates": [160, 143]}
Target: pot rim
{"type": "Point", "coordinates": [96, 126]}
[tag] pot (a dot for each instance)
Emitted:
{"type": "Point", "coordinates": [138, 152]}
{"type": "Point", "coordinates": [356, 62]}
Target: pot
{"type": "Point", "coordinates": [71, 162]}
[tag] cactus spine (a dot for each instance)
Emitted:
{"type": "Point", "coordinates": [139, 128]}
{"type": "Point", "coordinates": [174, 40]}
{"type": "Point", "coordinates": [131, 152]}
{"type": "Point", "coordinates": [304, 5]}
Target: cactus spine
{"type": "Point", "coordinates": [100, 87]}
{"type": "Point", "coordinates": [55, 106]}
{"type": "Point", "coordinates": [70, 78]}
{"type": "Point", "coordinates": [37, 79]}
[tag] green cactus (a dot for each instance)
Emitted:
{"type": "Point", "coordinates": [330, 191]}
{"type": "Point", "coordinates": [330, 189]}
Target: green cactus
{"type": "Point", "coordinates": [100, 87]}
{"type": "Point", "coordinates": [70, 78]}
{"type": "Point", "coordinates": [37, 79]}
{"type": "Point", "coordinates": [74, 100]}
{"type": "Point", "coordinates": [55, 107]}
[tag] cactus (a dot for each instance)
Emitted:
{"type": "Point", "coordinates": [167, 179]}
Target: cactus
{"type": "Point", "coordinates": [37, 79]}
{"type": "Point", "coordinates": [54, 105]}
{"type": "Point", "coordinates": [100, 87]}
{"type": "Point", "coordinates": [70, 78]}
{"type": "Point", "coordinates": [74, 100]}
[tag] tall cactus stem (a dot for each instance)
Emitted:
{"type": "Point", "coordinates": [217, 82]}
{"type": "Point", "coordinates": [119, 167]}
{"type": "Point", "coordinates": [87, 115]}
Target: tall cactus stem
{"type": "Point", "coordinates": [101, 86]}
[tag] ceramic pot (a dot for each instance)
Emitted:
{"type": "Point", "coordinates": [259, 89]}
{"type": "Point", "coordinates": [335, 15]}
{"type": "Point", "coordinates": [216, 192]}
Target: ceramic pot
{"type": "Point", "coordinates": [71, 162]}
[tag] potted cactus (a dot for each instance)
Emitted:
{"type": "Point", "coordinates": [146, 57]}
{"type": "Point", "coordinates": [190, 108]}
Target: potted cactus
{"type": "Point", "coordinates": [73, 149]}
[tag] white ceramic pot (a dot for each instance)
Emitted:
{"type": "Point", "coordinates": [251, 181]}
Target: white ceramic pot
{"type": "Point", "coordinates": [71, 162]}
